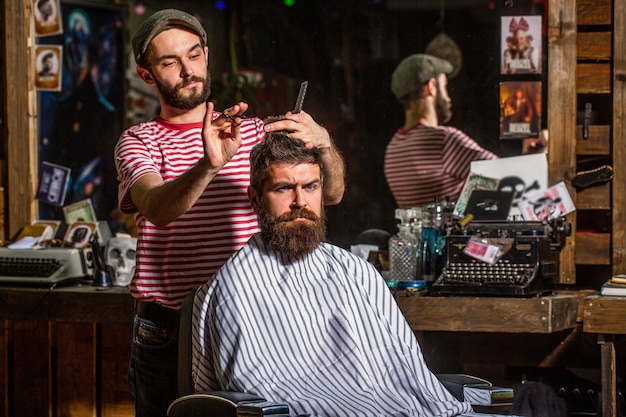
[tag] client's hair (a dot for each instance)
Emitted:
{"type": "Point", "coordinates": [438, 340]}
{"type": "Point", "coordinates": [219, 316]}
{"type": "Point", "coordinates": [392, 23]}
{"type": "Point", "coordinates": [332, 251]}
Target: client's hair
{"type": "Point", "coordinates": [279, 147]}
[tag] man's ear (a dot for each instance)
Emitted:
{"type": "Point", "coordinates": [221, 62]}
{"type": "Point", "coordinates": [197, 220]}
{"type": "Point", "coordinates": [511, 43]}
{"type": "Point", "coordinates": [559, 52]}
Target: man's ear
{"type": "Point", "coordinates": [431, 87]}
{"type": "Point", "coordinates": [253, 198]}
{"type": "Point", "coordinates": [145, 75]}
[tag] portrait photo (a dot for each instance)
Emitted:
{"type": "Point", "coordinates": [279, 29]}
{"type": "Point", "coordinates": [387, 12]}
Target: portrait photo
{"type": "Point", "coordinates": [520, 109]}
{"type": "Point", "coordinates": [521, 44]}
{"type": "Point", "coordinates": [48, 59]}
{"type": "Point", "coordinates": [79, 233]}
{"type": "Point", "coordinates": [47, 16]}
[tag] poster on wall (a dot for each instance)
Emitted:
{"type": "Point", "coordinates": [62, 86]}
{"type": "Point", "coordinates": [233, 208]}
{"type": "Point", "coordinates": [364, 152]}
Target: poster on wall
{"type": "Point", "coordinates": [47, 17]}
{"type": "Point", "coordinates": [521, 44]}
{"type": "Point", "coordinates": [48, 69]}
{"type": "Point", "coordinates": [82, 121]}
{"type": "Point", "coordinates": [520, 109]}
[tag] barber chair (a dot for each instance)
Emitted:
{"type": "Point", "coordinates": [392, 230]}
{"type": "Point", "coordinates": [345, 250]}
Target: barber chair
{"type": "Point", "coordinates": [235, 404]}
{"type": "Point", "coordinates": [213, 403]}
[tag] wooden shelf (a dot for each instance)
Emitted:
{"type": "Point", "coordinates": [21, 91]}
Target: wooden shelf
{"type": "Point", "coordinates": [545, 314]}
{"type": "Point", "coordinates": [77, 303]}
{"type": "Point", "coordinates": [603, 314]}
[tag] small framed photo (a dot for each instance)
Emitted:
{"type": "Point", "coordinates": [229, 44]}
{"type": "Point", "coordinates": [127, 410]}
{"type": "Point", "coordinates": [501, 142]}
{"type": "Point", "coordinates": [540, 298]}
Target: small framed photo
{"type": "Point", "coordinates": [47, 16]}
{"type": "Point", "coordinates": [521, 44]}
{"type": "Point", "coordinates": [81, 211]}
{"type": "Point", "coordinates": [48, 67]}
{"type": "Point", "coordinates": [79, 233]}
{"type": "Point", "coordinates": [520, 109]}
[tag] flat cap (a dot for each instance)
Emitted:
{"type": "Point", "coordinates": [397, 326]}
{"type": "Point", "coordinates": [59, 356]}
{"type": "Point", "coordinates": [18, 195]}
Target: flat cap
{"type": "Point", "coordinates": [415, 70]}
{"type": "Point", "coordinates": [160, 21]}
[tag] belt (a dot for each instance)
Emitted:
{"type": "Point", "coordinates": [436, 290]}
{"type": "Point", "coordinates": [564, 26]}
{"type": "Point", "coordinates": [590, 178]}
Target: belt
{"type": "Point", "coordinates": [157, 313]}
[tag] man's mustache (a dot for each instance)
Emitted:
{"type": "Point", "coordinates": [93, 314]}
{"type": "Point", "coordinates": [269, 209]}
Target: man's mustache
{"type": "Point", "coordinates": [188, 81]}
{"type": "Point", "coordinates": [298, 214]}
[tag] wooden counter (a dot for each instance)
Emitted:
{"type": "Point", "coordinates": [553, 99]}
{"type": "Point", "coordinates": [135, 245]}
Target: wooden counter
{"type": "Point", "coordinates": [545, 314]}
{"type": "Point", "coordinates": [65, 352]}
{"type": "Point", "coordinates": [606, 316]}
{"type": "Point", "coordinates": [76, 303]}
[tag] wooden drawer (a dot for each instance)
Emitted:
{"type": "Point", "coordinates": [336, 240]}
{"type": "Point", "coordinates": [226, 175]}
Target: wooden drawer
{"type": "Point", "coordinates": [593, 248]}
{"type": "Point", "coordinates": [593, 79]}
{"type": "Point", "coordinates": [597, 197]}
{"type": "Point", "coordinates": [594, 12]}
{"type": "Point", "coordinates": [598, 141]}
{"type": "Point", "coordinates": [594, 46]}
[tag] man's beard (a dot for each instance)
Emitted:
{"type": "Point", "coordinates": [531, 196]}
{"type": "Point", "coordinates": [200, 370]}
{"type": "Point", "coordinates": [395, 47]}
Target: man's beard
{"type": "Point", "coordinates": [444, 113]}
{"type": "Point", "coordinates": [174, 98]}
{"type": "Point", "coordinates": [292, 238]}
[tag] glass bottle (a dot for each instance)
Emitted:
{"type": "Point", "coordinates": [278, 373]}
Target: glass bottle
{"type": "Point", "coordinates": [403, 256]}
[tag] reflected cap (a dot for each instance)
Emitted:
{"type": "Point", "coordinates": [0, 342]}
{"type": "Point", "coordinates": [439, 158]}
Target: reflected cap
{"type": "Point", "coordinates": [415, 70]}
{"type": "Point", "coordinates": [163, 20]}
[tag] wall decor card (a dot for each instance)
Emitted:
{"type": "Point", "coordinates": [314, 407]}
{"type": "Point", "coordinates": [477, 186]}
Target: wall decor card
{"type": "Point", "coordinates": [520, 109]}
{"type": "Point", "coordinates": [47, 17]}
{"type": "Point", "coordinates": [523, 175]}
{"type": "Point", "coordinates": [80, 211]}
{"type": "Point", "coordinates": [53, 182]}
{"type": "Point", "coordinates": [521, 44]}
{"type": "Point", "coordinates": [548, 204]}
{"type": "Point", "coordinates": [48, 67]}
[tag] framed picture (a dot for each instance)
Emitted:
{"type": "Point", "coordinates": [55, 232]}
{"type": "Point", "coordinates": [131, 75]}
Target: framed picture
{"type": "Point", "coordinates": [48, 68]}
{"type": "Point", "coordinates": [521, 44]}
{"type": "Point", "coordinates": [520, 109]}
{"type": "Point", "coordinates": [81, 211]}
{"type": "Point", "coordinates": [79, 233]}
{"type": "Point", "coordinates": [47, 17]}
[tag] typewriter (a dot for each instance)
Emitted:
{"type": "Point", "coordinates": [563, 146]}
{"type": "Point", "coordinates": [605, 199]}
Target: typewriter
{"type": "Point", "coordinates": [528, 267]}
{"type": "Point", "coordinates": [44, 266]}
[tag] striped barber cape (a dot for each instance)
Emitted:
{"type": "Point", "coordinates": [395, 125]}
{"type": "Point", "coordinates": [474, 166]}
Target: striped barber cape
{"type": "Point", "coordinates": [321, 333]}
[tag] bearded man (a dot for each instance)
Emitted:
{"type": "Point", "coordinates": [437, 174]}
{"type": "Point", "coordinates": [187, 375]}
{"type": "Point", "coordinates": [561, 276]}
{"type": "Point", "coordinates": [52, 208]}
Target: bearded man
{"type": "Point", "coordinates": [302, 322]}
{"type": "Point", "coordinates": [184, 175]}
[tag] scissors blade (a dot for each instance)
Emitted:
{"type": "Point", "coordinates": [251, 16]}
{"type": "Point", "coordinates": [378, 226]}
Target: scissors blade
{"type": "Point", "coordinates": [300, 98]}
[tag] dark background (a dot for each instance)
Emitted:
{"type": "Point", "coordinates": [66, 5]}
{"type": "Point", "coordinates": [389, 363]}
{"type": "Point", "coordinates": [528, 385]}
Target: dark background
{"type": "Point", "coordinates": [347, 50]}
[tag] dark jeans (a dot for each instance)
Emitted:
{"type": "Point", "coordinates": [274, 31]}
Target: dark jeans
{"type": "Point", "coordinates": [153, 368]}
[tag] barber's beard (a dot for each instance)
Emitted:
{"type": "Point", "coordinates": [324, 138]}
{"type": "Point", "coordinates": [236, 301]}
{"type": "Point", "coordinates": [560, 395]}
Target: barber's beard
{"type": "Point", "coordinates": [292, 238]}
{"type": "Point", "coordinates": [174, 98]}
{"type": "Point", "coordinates": [442, 107]}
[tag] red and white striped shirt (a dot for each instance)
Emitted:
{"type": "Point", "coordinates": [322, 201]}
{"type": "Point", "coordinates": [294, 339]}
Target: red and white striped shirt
{"type": "Point", "coordinates": [425, 162]}
{"type": "Point", "coordinates": [175, 259]}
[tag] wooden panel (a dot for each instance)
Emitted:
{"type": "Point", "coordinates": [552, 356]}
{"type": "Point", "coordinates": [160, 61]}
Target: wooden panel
{"type": "Point", "coordinates": [76, 303]}
{"type": "Point", "coordinates": [490, 314]}
{"type": "Point", "coordinates": [594, 46]}
{"type": "Point", "coordinates": [594, 12]}
{"type": "Point", "coordinates": [31, 390]}
{"type": "Point", "coordinates": [598, 141]}
{"type": "Point", "coordinates": [562, 110]}
{"type": "Point", "coordinates": [604, 314]}
{"type": "Point", "coordinates": [4, 367]}
{"type": "Point", "coordinates": [619, 138]}
{"type": "Point", "coordinates": [74, 348]}
{"type": "Point", "coordinates": [593, 78]}
{"type": "Point", "coordinates": [116, 398]}
{"type": "Point", "coordinates": [597, 197]}
{"type": "Point", "coordinates": [593, 248]}
{"type": "Point", "coordinates": [22, 124]}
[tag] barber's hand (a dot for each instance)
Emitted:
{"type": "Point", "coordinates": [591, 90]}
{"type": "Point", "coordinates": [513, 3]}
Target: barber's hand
{"type": "Point", "coordinates": [302, 126]}
{"type": "Point", "coordinates": [539, 145]}
{"type": "Point", "coordinates": [221, 136]}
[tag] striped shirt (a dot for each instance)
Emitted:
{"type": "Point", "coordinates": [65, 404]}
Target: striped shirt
{"type": "Point", "coordinates": [425, 162]}
{"type": "Point", "coordinates": [322, 334]}
{"type": "Point", "coordinates": [175, 259]}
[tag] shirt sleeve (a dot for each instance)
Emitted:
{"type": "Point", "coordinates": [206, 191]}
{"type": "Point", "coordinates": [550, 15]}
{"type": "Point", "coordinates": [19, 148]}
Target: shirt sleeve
{"type": "Point", "coordinates": [459, 150]}
{"type": "Point", "coordinates": [132, 161]}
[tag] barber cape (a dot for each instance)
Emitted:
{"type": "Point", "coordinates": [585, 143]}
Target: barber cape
{"type": "Point", "coordinates": [321, 333]}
